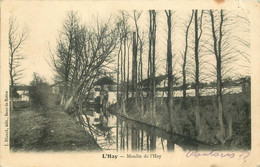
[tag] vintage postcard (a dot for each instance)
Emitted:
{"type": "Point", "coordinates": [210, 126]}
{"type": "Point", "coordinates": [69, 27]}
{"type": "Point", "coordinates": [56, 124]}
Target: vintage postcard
{"type": "Point", "coordinates": [130, 83]}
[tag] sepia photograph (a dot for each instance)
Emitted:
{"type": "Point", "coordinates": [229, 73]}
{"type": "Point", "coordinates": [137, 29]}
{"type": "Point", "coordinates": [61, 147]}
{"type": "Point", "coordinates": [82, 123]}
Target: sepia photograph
{"type": "Point", "coordinates": [124, 83]}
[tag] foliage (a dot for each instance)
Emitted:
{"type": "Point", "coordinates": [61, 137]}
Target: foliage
{"type": "Point", "coordinates": [40, 93]}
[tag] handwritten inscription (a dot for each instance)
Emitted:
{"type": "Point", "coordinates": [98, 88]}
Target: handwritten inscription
{"type": "Point", "coordinates": [196, 154]}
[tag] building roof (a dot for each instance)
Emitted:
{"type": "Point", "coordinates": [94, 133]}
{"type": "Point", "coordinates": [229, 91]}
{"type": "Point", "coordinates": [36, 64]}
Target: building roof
{"type": "Point", "coordinates": [105, 81]}
{"type": "Point", "coordinates": [158, 80]}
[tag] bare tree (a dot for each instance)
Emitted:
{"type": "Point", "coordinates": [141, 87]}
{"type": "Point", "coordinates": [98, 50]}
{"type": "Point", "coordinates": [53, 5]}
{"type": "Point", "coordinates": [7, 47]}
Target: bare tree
{"type": "Point", "coordinates": [118, 64]}
{"type": "Point", "coordinates": [139, 44]}
{"type": "Point", "coordinates": [17, 37]}
{"type": "Point", "coordinates": [197, 82]}
{"type": "Point", "coordinates": [82, 52]}
{"type": "Point", "coordinates": [184, 85]}
{"type": "Point", "coordinates": [151, 66]}
{"type": "Point", "coordinates": [134, 67]}
{"type": "Point", "coordinates": [170, 76]}
{"type": "Point", "coordinates": [124, 34]}
{"type": "Point", "coordinates": [151, 62]}
{"type": "Point", "coordinates": [218, 55]}
{"type": "Point", "coordinates": [65, 46]}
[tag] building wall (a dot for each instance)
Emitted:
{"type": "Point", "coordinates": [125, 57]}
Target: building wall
{"type": "Point", "coordinates": [24, 95]}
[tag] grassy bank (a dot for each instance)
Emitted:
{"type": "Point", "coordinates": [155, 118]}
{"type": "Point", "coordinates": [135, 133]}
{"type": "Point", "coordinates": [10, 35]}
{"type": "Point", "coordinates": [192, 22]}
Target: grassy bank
{"type": "Point", "coordinates": [52, 130]}
{"type": "Point", "coordinates": [236, 107]}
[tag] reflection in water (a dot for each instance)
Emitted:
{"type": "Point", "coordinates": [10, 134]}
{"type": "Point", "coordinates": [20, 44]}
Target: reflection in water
{"type": "Point", "coordinates": [114, 133]}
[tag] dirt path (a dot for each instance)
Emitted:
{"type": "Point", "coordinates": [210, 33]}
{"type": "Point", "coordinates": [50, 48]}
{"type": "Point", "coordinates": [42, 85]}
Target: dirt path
{"type": "Point", "coordinates": [53, 130]}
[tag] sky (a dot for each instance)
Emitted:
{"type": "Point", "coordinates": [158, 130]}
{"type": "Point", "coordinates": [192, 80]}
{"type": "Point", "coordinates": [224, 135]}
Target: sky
{"type": "Point", "coordinates": [45, 20]}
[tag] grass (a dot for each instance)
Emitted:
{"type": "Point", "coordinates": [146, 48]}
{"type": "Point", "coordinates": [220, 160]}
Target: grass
{"type": "Point", "coordinates": [237, 106]}
{"type": "Point", "coordinates": [52, 130]}
{"type": "Point", "coordinates": [26, 129]}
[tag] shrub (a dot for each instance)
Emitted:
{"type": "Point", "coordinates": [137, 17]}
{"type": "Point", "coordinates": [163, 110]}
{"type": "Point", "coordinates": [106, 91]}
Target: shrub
{"type": "Point", "coordinates": [40, 93]}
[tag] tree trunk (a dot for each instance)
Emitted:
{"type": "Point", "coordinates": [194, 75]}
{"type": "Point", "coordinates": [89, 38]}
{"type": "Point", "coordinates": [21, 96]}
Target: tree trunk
{"type": "Point", "coordinates": [134, 139]}
{"type": "Point", "coordinates": [124, 77]}
{"type": "Point", "coordinates": [122, 82]}
{"type": "Point", "coordinates": [170, 145]}
{"type": "Point", "coordinates": [170, 77]}
{"type": "Point", "coordinates": [138, 139]}
{"type": "Point", "coordinates": [184, 86]}
{"type": "Point", "coordinates": [116, 133]}
{"type": "Point", "coordinates": [142, 140]}
{"type": "Point", "coordinates": [149, 73]}
{"type": "Point", "coordinates": [147, 142]}
{"type": "Point", "coordinates": [117, 88]}
{"type": "Point", "coordinates": [162, 144]}
{"type": "Point", "coordinates": [141, 79]}
{"type": "Point", "coordinates": [197, 99]}
{"type": "Point", "coordinates": [128, 61]}
{"type": "Point", "coordinates": [153, 68]}
{"type": "Point", "coordinates": [169, 67]}
{"type": "Point", "coordinates": [69, 102]}
{"type": "Point", "coordinates": [220, 101]}
{"type": "Point", "coordinates": [217, 52]}
{"type": "Point", "coordinates": [152, 142]}
{"type": "Point", "coordinates": [121, 135]}
{"type": "Point", "coordinates": [151, 65]}
{"type": "Point", "coordinates": [62, 101]}
{"type": "Point", "coordinates": [127, 136]}
{"type": "Point", "coordinates": [134, 66]}
{"type": "Point", "coordinates": [229, 121]}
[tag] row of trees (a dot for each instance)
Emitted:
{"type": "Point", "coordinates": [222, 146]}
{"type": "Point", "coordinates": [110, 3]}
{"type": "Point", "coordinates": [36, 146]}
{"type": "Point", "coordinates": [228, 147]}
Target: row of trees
{"type": "Point", "coordinates": [220, 39]}
{"type": "Point", "coordinates": [84, 51]}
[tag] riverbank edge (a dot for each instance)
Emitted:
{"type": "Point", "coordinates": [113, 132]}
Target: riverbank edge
{"type": "Point", "coordinates": [191, 142]}
{"type": "Point", "coordinates": [233, 101]}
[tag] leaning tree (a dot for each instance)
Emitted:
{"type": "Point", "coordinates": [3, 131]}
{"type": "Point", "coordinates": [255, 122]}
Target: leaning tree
{"type": "Point", "coordinates": [81, 55]}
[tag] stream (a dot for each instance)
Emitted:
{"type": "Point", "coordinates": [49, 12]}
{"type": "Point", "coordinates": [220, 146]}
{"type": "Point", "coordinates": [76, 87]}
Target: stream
{"type": "Point", "coordinates": [117, 132]}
